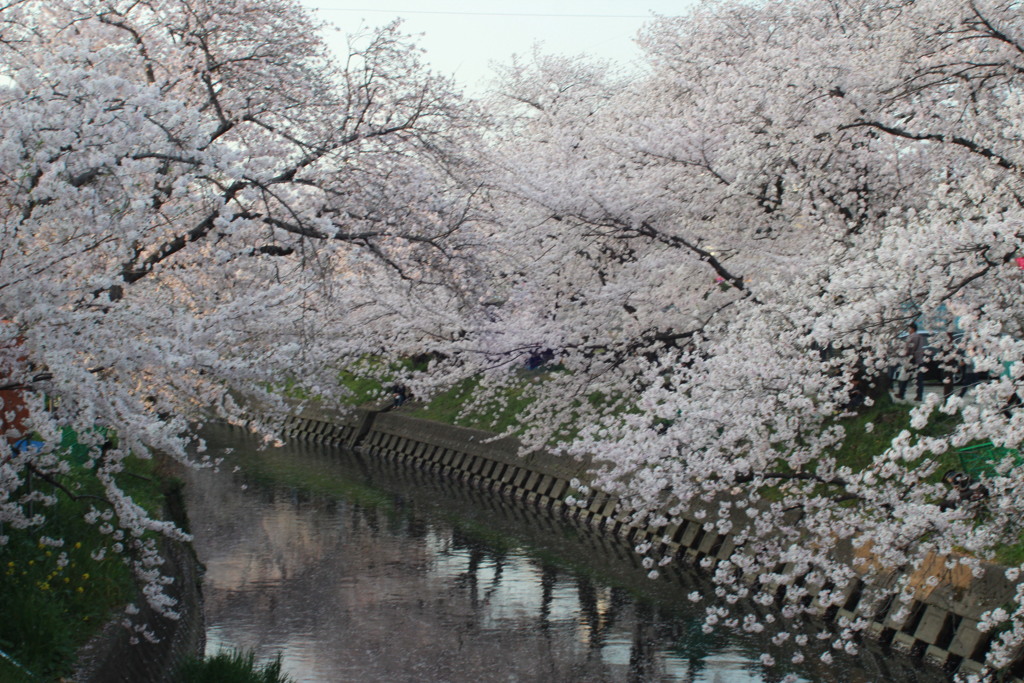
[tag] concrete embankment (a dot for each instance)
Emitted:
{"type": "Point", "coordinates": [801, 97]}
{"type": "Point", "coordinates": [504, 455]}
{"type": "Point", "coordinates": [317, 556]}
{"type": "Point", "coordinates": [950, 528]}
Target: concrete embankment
{"type": "Point", "coordinates": [943, 615]}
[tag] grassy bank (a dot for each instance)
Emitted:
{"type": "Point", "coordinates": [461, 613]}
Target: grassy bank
{"type": "Point", "coordinates": [55, 596]}
{"type": "Point", "coordinates": [499, 415]}
{"type": "Point", "coordinates": [870, 430]}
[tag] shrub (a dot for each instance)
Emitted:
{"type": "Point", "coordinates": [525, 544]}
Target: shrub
{"type": "Point", "coordinates": [230, 667]}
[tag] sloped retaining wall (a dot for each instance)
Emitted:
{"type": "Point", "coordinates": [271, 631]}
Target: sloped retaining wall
{"type": "Point", "coordinates": [942, 625]}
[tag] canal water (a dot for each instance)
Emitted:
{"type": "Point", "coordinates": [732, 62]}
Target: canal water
{"type": "Point", "coordinates": [355, 570]}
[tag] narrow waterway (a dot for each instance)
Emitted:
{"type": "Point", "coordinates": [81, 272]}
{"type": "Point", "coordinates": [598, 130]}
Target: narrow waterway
{"type": "Point", "coordinates": [354, 570]}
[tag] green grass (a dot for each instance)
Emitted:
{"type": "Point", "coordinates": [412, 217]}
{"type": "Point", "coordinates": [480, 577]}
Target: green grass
{"type": "Point", "coordinates": [364, 390]}
{"type": "Point", "coordinates": [52, 599]}
{"type": "Point", "coordinates": [502, 412]}
{"type": "Point", "coordinates": [888, 419]}
{"type": "Point", "coordinates": [230, 667]}
{"type": "Point", "coordinates": [48, 610]}
{"type": "Point", "coordinates": [861, 446]}
{"type": "Point", "coordinates": [1011, 554]}
{"type": "Point", "coordinates": [10, 673]}
{"type": "Point", "coordinates": [367, 380]}
{"type": "Point", "coordinates": [497, 415]}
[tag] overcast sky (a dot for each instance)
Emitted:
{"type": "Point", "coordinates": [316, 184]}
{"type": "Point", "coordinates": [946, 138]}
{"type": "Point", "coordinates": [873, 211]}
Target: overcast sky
{"type": "Point", "coordinates": [462, 37]}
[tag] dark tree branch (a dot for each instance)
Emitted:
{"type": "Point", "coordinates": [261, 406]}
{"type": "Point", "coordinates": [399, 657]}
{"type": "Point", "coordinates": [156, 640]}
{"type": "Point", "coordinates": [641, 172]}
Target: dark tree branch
{"type": "Point", "coordinates": [12, 385]}
{"type": "Point", "coordinates": [960, 141]}
{"type": "Point", "coordinates": [272, 250]}
{"type": "Point", "coordinates": [56, 484]}
{"type": "Point", "coordinates": [706, 256]}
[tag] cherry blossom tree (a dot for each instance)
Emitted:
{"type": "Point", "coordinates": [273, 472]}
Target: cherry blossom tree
{"type": "Point", "coordinates": [199, 201]}
{"type": "Point", "coordinates": [720, 251]}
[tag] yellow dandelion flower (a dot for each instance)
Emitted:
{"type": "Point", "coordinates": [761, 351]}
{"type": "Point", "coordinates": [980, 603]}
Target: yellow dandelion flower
{"type": "Point", "coordinates": [85, 577]}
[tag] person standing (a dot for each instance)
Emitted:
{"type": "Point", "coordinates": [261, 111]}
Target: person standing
{"type": "Point", "coordinates": [913, 360]}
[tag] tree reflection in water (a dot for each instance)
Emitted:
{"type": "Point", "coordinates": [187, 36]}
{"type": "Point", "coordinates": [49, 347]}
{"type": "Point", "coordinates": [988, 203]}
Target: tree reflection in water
{"type": "Point", "coordinates": [356, 570]}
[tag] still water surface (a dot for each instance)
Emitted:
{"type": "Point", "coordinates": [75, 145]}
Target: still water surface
{"type": "Point", "coordinates": [355, 570]}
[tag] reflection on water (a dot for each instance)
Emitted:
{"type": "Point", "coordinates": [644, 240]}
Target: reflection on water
{"type": "Point", "coordinates": [364, 572]}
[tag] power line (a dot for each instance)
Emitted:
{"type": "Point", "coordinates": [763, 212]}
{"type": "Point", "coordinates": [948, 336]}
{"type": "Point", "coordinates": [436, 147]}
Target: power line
{"type": "Point", "coordinates": [486, 14]}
